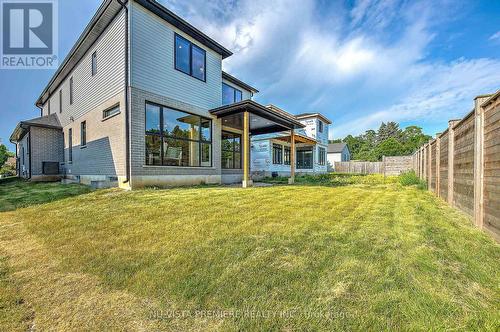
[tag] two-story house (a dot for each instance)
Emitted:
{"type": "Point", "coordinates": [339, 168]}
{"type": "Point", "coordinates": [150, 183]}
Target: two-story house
{"type": "Point", "coordinates": [271, 153]}
{"type": "Point", "coordinates": [141, 100]}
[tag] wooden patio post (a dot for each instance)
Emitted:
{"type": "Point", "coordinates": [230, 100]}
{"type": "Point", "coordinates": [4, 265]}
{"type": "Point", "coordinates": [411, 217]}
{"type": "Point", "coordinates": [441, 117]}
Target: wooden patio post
{"type": "Point", "coordinates": [291, 180]}
{"type": "Point", "coordinates": [247, 182]}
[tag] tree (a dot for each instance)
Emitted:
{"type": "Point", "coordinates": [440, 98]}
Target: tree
{"type": "Point", "coordinates": [388, 140]}
{"type": "Point", "coordinates": [4, 154]}
{"type": "Point", "coordinates": [389, 147]}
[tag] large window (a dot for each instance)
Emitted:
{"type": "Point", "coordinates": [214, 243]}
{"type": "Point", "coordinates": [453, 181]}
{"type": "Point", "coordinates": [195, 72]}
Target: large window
{"type": "Point", "coordinates": [231, 150]}
{"type": "Point", "coordinates": [305, 158]}
{"type": "Point", "coordinates": [277, 154]}
{"type": "Point", "coordinates": [230, 95]}
{"type": "Point", "coordinates": [322, 156]}
{"type": "Point", "coordinates": [189, 58]}
{"type": "Point", "coordinates": [176, 138]}
{"type": "Point", "coordinates": [287, 155]}
{"type": "Point", "coordinates": [320, 126]}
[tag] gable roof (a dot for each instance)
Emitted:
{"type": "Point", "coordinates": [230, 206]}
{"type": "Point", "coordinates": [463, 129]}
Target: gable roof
{"type": "Point", "coordinates": [236, 81]}
{"type": "Point", "coordinates": [48, 121]}
{"type": "Point", "coordinates": [310, 115]}
{"type": "Point", "coordinates": [336, 147]}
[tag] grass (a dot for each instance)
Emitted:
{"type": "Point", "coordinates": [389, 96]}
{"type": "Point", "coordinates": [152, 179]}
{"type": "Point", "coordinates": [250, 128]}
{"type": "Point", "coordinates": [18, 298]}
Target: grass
{"type": "Point", "coordinates": [376, 256]}
{"type": "Point", "coordinates": [15, 193]}
{"type": "Point", "coordinates": [334, 179]}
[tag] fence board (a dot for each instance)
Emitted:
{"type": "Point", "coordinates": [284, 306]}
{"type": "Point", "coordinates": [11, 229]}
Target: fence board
{"type": "Point", "coordinates": [463, 165]}
{"type": "Point", "coordinates": [443, 166]}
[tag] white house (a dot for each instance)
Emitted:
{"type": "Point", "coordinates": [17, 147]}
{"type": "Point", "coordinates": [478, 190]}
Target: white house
{"type": "Point", "coordinates": [338, 152]}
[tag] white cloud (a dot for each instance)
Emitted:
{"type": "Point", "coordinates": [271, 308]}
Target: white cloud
{"type": "Point", "coordinates": [495, 36]}
{"type": "Point", "coordinates": [359, 65]}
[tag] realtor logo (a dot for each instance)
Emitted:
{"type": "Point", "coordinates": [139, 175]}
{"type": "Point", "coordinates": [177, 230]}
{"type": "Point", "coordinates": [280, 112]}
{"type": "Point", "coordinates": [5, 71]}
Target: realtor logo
{"type": "Point", "coordinates": [29, 34]}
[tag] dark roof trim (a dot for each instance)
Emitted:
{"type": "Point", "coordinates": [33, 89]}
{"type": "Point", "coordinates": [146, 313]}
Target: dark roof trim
{"type": "Point", "coordinates": [310, 115]}
{"type": "Point", "coordinates": [184, 26]}
{"type": "Point", "coordinates": [236, 81]}
{"type": "Point", "coordinates": [257, 109]}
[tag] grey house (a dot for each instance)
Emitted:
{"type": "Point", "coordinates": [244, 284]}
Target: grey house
{"type": "Point", "coordinates": [141, 99]}
{"type": "Point", "coordinates": [337, 152]}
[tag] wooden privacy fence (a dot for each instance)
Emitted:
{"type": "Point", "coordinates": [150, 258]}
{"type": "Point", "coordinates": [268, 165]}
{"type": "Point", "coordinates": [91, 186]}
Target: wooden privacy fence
{"type": "Point", "coordinates": [462, 164]}
{"type": "Point", "coordinates": [388, 166]}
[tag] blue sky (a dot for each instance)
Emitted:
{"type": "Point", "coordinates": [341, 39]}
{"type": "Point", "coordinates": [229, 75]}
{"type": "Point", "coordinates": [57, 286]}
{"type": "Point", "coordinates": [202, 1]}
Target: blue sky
{"type": "Point", "coordinates": [357, 62]}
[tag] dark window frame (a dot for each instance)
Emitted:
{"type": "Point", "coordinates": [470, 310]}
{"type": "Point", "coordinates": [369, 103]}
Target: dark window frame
{"type": "Point", "coordinates": [321, 156]}
{"type": "Point", "coordinates": [94, 63]}
{"type": "Point", "coordinates": [300, 153]}
{"type": "Point", "coordinates": [161, 135]}
{"type": "Point", "coordinates": [235, 90]}
{"type": "Point", "coordinates": [320, 126]}
{"type": "Point", "coordinates": [70, 145]}
{"type": "Point", "coordinates": [71, 91]}
{"type": "Point", "coordinates": [49, 106]}
{"type": "Point", "coordinates": [83, 134]}
{"type": "Point", "coordinates": [112, 108]}
{"type": "Point", "coordinates": [287, 155]}
{"type": "Point", "coordinates": [233, 150]}
{"type": "Point", "coordinates": [60, 101]}
{"type": "Point", "coordinates": [191, 44]}
{"type": "Point", "coordinates": [277, 154]}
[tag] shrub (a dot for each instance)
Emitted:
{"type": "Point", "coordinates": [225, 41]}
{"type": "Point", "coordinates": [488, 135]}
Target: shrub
{"type": "Point", "coordinates": [410, 178]}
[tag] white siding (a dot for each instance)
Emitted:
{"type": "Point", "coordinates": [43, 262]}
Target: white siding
{"type": "Point", "coordinates": [152, 63]}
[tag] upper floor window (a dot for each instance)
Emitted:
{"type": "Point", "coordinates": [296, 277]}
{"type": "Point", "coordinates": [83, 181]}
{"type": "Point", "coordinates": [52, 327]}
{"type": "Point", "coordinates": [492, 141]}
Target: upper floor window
{"type": "Point", "coordinates": [176, 138]}
{"type": "Point", "coordinates": [277, 154]}
{"type": "Point", "coordinates": [48, 107]}
{"type": "Point", "coordinates": [320, 126]}
{"type": "Point", "coordinates": [70, 145]}
{"type": "Point", "coordinates": [94, 63]}
{"type": "Point", "coordinates": [189, 58]}
{"type": "Point", "coordinates": [230, 95]}
{"type": "Point", "coordinates": [83, 133]}
{"type": "Point", "coordinates": [71, 91]}
{"type": "Point", "coordinates": [60, 101]}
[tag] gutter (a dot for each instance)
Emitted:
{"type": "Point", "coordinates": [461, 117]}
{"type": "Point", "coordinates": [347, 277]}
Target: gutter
{"type": "Point", "coordinates": [127, 98]}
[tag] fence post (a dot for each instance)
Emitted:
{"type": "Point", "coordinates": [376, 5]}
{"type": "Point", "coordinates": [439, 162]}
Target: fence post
{"type": "Point", "coordinates": [383, 164]}
{"type": "Point", "coordinates": [438, 163]}
{"type": "Point", "coordinates": [451, 158]}
{"type": "Point", "coordinates": [429, 165]}
{"type": "Point", "coordinates": [478, 161]}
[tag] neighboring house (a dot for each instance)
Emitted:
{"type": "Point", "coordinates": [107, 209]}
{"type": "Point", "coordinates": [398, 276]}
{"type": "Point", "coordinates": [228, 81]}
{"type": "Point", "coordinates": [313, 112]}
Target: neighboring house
{"type": "Point", "coordinates": [141, 100]}
{"type": "Point", "coordinates": [271, 153]}
{"type": "Point", "coordinates": [337, 152]}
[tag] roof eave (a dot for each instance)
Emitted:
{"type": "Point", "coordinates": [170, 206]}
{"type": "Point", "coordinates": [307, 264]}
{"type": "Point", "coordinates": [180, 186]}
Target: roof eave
{"type": "Point", "coordinates": [238, 82]}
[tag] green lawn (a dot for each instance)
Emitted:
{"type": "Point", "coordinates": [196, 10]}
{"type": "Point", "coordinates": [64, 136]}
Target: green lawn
{"type": "Point", "coordinates": [374, 256]}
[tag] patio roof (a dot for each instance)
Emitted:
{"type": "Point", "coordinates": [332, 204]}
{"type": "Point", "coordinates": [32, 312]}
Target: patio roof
{"type": "Point", "coordinates": [263, 120]}
{"type": "Point", "coordinates": [298, 139]}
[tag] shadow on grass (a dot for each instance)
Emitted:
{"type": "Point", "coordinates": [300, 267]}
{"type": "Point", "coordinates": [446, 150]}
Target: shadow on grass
{"type": "Point", "coordinates": [16, 193]}
{"type": "Point", "coordinates": [334, 179]}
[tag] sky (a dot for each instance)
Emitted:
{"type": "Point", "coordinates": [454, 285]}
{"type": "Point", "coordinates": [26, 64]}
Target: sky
{"type": "Point", "coordinates": [357, 62]}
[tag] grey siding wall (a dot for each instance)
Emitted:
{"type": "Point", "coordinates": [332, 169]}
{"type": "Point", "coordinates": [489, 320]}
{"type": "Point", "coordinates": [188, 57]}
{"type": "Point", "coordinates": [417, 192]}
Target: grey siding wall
{"type": "Point", "coordinates": [91, 91]}
{"type": "Point", "coordinates": [246, 94]}
{"type": "Point", "coordinates": [152, 63]}
{"type": "Point", "coordinates": [46, 145]}
{"type": "Point", "coordinates": [105, 151]}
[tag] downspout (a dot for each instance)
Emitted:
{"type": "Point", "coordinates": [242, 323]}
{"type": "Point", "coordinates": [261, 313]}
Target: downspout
{"type": "Point", "coordinates": [127, 84]}
{"type": "Point", "coordinates": [29, 151]}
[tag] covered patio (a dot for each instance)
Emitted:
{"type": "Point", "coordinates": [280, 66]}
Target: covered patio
{"type": "Point", "coordinates": [253, 118]}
